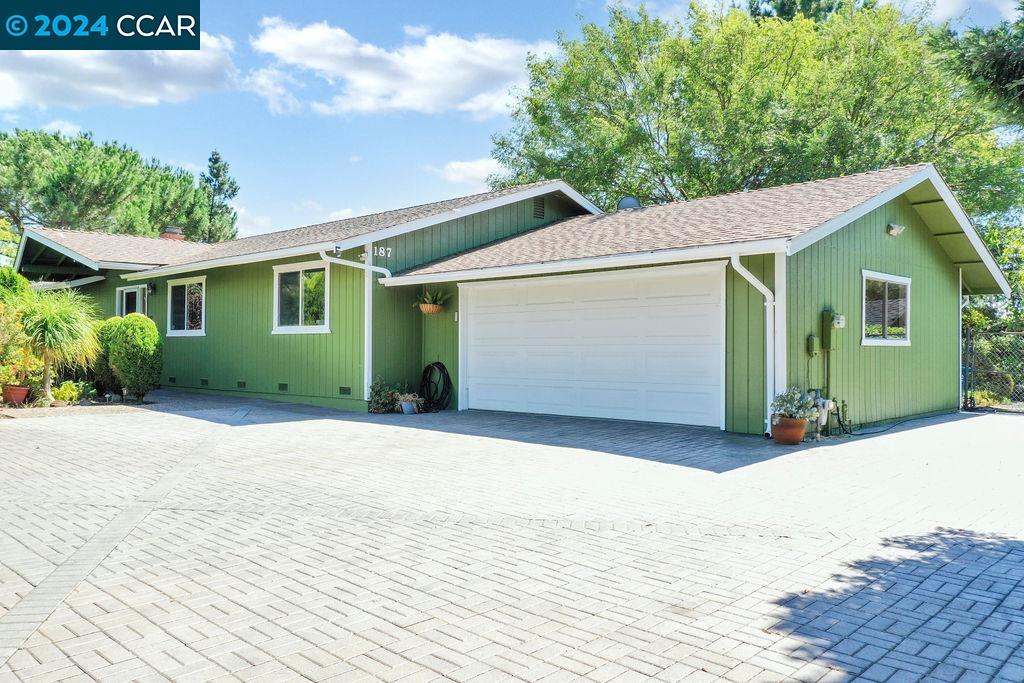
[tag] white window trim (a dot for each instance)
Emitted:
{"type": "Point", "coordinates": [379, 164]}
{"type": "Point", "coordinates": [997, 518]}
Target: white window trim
{"type": "Point", "coordinates": [201, 332]}
{"type": "Point", "coordinates": [141, 294]}
{"type": "Point", "coordinates": [303, 329]}
{"type": "Point", "coordinates": [887, 278]}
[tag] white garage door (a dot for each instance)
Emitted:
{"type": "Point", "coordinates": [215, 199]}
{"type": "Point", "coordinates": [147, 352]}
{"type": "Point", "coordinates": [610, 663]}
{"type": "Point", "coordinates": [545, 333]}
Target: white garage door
{"type": "Point", "coordinates": [644, 344]}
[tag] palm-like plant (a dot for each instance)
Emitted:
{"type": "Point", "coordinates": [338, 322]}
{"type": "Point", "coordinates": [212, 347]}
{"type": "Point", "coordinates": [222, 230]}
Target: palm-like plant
{"type": "Point", "coordinates": [60, 328]}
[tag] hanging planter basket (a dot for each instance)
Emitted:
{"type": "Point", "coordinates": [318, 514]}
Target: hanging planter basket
{"type": "Point", "coordinates": [431, 309]}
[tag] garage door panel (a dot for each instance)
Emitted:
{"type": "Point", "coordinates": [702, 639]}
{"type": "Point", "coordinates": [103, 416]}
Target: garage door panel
{"type": "Point", "coordinates": [643, 345]}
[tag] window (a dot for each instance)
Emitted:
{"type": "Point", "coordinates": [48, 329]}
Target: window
{"type": "Point", "coordinates": [132, 300]}
{"type": "Point", "coordinates": [886, 310]}
{"type": "Point", "coordinates": [186, 309]}
{"type": "Point", "coordinates": [301, 298]}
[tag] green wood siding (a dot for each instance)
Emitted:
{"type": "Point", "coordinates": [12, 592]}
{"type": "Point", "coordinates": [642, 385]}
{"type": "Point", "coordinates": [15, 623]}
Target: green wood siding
{"type": "Point", "coordinates": [398, 328]}
{"type": "Point", "coordinates": [744, 345]}
{"type": "Point", "coordinates": [104, 293]}
{"type": "Point", "coordinates": [239, 346]}
{"type": "Point", "coordinates": [878, 382]}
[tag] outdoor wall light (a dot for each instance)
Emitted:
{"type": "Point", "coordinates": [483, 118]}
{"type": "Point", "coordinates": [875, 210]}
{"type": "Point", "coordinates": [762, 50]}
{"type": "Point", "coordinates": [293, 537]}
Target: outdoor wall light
{"type": "Point", "coordinates": [895, 230]}
{"type": "Point", "coordinates": [151, 288]}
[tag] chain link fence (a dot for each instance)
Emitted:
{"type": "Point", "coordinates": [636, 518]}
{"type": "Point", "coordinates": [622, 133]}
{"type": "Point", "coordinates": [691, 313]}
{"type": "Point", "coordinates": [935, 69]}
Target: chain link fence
{"type": "Point", "coordinates": [994, 371]}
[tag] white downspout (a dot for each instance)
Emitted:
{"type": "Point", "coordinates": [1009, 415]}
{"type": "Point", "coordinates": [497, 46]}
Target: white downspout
{"type": "Point", "coordinates": [369, 269]}
{"type": "Point", "coordinates": [769, 336]}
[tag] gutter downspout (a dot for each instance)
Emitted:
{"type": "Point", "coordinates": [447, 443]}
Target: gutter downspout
{"type": "Point", "coordinates": [964, 302]}
{"type": "Point", "coordinates": [769, 337]}
{"type": "Point", "coordinates": [369, 269]}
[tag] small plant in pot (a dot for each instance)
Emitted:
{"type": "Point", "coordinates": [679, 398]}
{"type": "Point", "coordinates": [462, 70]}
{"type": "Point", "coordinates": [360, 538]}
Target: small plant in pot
{"type": "Point", "coordinates": [431, 302]}
{"type": "Point", "coordinates": [410, 403]}
{"type": "Point", "coordinates": [790, 412]}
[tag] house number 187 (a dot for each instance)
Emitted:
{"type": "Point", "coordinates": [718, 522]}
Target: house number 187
{"type": "Point", "coordinates": [382, 251]}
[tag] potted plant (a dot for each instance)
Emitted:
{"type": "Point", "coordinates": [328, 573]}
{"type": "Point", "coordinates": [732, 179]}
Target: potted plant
{"type": "Point", "coordinates": [15, 357]}
{"type": "Point", "coordinates": [432, 302]}
{"type": "Point", "coordinates": [410, 403]}
{"type": "Point", "coordinates": [790, 412]}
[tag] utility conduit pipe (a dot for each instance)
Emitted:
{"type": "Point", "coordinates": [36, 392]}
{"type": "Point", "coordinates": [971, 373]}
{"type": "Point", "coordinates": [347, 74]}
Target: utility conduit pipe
{"type": "Point", "coordinates": [769, 337]}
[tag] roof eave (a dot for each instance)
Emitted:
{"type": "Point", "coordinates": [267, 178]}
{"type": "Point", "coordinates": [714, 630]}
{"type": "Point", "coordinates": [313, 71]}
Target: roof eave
{"type": "Point", "coordinates": [660, 256]}
{"type": "Point", "coordinates": [377, 235]}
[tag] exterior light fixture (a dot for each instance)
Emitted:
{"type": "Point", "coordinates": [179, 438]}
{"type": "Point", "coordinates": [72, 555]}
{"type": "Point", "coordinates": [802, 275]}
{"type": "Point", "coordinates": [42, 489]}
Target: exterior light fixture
{"type": "Point", "coordinates": [895, 230]}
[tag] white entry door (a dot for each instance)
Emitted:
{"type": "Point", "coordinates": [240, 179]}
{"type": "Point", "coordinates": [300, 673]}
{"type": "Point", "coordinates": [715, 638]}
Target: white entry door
{"type": "Point", "coordinates": [642, 344]}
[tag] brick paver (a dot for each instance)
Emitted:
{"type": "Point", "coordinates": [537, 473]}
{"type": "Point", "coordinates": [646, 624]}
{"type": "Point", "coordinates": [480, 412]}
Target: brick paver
{"type": "Point", "coordinates": [249, 540]}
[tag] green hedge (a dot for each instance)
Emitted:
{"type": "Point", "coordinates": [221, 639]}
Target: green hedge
{"type": "Point", "coordinates": [103, 375]}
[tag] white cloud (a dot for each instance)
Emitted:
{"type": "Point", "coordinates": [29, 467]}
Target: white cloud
{"type": "Point", "coordinates": [472, 173]}
{"type": "Point", "coordinates": [121, 77]}
{"type": "Point", "coordinates": [274, 86]}
{"type": "Point", "coordinates": [968, 11]}
{"type": "Point", "coordinates": [187, 165]}
{"type": "Point", "coordinates": [251, 223]}
{"type": "Point", "coordinates": [354, 158]}
{"type": "Point", "coordinates": [63, 127]}
{"type": "Point", "coordinates": [430, 74]}
{"type": "Point", "coordinates": [417, 31]}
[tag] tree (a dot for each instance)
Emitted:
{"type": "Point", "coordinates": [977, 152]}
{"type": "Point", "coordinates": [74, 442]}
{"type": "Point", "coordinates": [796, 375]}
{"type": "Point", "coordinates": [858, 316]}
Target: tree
{"type": "Point", "coordinates": [51, 180]}
{"type": "Point", "coordinates": [726, 102]}
{"type": "Point", "coordinates": [59, 327]}
{"type": "Point", "coordinates": [8, 243]}
{"type": "Point", "coordinates": [818, 10]}
{"type": "Point", "coordinates": [992, 59]}
{"type": "Point", "coordinates": [222, 188]}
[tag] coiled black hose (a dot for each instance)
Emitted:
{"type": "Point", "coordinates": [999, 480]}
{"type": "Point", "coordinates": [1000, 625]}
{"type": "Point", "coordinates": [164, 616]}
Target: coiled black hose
{"type": "Point", "coordinates": [435, 388]}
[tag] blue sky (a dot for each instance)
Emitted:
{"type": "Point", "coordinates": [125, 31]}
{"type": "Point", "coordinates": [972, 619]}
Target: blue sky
{"type": "Point", "coordinates": [324, 109]}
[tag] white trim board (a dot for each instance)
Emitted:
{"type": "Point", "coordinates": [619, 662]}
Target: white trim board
{"type": "Point", "coordinates": [43, 286]}
{"type": "Point", "coordinates": [927, 174]}
{"type": "Point", "coordinates": [141, 299]}
{"type": "Point", "coordinates": [866, 275]}
{"type": "Point", "coordinates": [276, 327]}
{"type": "Point", "coordinates": [201, 332]}
{"type": "Point", "coordinates": [666, 256]}
{"type": "Point", "coordinates": [376, 236]}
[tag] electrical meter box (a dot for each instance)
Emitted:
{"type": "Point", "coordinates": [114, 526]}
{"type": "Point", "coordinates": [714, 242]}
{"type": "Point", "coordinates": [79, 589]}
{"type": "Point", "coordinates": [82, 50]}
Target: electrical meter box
{"type": "Point", "coordinates": [831, 323]}
{"type": "Point", "coordinates": [813, 345]}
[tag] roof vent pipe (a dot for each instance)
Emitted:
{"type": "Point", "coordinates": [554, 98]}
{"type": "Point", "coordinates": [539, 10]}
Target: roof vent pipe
{"type": "Point", "coordinates": [172, 232]}
{"type": "Point", "coordinates": [628, 203]}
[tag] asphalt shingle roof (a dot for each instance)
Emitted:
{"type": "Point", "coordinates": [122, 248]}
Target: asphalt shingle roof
{"type": "Point", "coordinates": [778, 212]}
{"type": "Point", "coordinates": [160, 252]}
{"type": "Point", "coordinates": [101, 246]}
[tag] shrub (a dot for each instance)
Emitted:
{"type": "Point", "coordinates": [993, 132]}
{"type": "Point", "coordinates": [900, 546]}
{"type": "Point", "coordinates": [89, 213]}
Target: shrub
{"type": "Point", "coordinates": [384, 397]}
{"type": "Point", "coordinates": [135, 354]}
{"type": "Point", "coordinates": [70, 392]}
{"type": "Point", "coordinates": [103, 375]}
{"type": "Point", "coordinates": [12, 284]}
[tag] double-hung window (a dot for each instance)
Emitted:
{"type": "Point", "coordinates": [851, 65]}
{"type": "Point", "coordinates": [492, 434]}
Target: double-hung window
{"type": "Point", "coordinates": [186, 307]}
{"type": "Point", "coordinates": [302, 298]}
{"type": "Point", "coordinates": [132, 300]}
{"type": "Point", "coordinates": [886, 311]}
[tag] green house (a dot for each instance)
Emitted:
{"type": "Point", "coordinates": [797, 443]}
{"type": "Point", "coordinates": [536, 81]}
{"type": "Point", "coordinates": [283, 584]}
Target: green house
{"type": "Point", "coordinates": [690, 312]}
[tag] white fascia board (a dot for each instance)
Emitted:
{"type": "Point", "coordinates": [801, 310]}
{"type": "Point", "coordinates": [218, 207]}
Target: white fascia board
{"type": "Point", "coordinates": [59, 248]}
{"type": "Point", "coordinates": [968, 227]}
{"type": "Point", "coordinates": [67, 284]}
{"type": "Point", "coordinates": [929, 174]}
{"type": "Point", "coordinates": [121, 265]}
{"type": "Point", "coordinates": [362, 240]}
{"type": "Point", "coordinates": [594, 263]}
{"type": "Point", "coordinates": [801, 242]}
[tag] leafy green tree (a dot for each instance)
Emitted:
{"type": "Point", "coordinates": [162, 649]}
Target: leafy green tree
{"type": "Point", "coordinates": [992, 59]}
{"type": "Point", "coordinates": [222, 188]}
{"type": "Point", "coordinates": [818, 10]}
{"type": "Point", "coordinates": [727, 102]}
{"type": "Point", "coordinates": [73, 182]}
{"type": "Point", "coordinates": [59, 327]}
{"type": "Point", "coordinates": [13, 285]}
{"type": "Point", "coordinates": [8, 242]}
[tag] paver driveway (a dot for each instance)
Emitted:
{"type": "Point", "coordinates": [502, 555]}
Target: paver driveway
{"type": "Point", "coordinates": [251, 540]}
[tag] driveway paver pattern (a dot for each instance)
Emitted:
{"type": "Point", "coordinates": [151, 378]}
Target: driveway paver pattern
{"type": "Point", "coordinates": [247, 540]}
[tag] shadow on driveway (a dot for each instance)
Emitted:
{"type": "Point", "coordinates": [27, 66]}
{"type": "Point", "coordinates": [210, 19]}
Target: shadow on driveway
{"type": "Point", "coordinates": [948, 605]}
{"type": "Point", "coordinates": [705, 448]}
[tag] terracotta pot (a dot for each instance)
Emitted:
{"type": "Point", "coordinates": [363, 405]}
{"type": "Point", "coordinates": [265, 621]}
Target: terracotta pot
{"type": "Point", "coordinates": [789, 430]}
{"type": "Point", "coordinates": [15, 395]}
{"type": "Point", "coordinates": [431, 309]}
